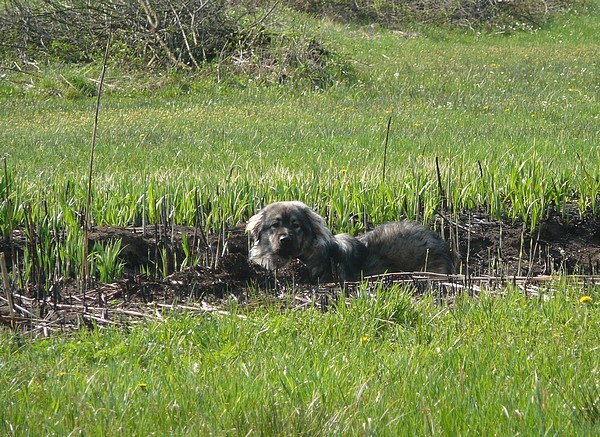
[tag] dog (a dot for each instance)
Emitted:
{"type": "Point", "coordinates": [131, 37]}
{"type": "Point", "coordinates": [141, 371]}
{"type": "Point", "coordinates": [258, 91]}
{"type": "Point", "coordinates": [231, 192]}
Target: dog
{"type": "Point", "coordinates": [282, 231]}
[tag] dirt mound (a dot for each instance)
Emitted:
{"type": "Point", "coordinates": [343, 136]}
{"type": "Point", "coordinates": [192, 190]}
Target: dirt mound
{"type": "Point", "coordinates": [560, 245]}
{"type": "Point", "coordinates": [565, 245]}
{"type": "Point", "coordinates": [487, 250]}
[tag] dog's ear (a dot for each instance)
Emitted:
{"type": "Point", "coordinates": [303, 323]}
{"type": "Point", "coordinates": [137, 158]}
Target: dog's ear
{"type": "Point", "coordinates": [318, 226]}
{"type": "Point", "coordinates": [255, 224]}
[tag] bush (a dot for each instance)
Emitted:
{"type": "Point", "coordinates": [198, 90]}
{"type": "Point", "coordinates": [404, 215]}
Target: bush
{"type": "Point", "coordinates": [180, 34]}
{"type": "Point", "coordinates": [163, 32]}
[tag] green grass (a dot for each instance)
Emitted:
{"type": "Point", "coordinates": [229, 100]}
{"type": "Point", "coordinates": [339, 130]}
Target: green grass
{"type": "Point", "coordinates": [389, 365]}
{"type": "Point", "coordinates": [514, 124]}
{"type": "Point", "coordinates": [524, 107]}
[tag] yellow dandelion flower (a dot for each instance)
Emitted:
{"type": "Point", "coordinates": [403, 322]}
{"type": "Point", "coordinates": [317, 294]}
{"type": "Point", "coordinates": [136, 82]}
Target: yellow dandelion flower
{"type": "Point", "coordinates": [585, 299]}
{"type": "Point", "coordinates": [364, 339]}
{"type": "Point", "coordinates": [343, 171]}
{"type": "Point", "coordinates": [143, 386]}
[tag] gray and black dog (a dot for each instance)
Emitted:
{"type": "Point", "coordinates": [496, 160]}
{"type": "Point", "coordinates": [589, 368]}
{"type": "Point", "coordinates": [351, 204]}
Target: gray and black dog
{"type": "Point", "coordinates": [282, 231]}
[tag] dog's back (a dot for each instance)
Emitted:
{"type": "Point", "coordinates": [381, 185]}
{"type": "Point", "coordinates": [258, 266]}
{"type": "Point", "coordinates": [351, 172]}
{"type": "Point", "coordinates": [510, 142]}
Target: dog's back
{"type": "Point", "coordinates": [405, 246]}
{"type": "Point", "coordinates": [348, 255]}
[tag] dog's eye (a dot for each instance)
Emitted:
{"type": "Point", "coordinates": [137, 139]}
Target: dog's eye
{"type": "Point", "coordinates": [275, 224]}
{"type": "Point", "coordinates": [296, 225]}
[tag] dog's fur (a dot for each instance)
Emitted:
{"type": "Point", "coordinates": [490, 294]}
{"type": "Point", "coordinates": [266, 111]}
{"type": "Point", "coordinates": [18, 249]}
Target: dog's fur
{"type": "Point", "coordinates": [282, 231]}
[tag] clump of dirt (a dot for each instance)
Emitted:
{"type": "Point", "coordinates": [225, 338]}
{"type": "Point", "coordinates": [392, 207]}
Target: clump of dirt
{"type": "Point", "coordinates": [561, 244]}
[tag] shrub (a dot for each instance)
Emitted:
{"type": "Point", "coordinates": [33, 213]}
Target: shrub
{"type": "Point", "coordinates": [164, 32]}
{"type": "Point", "coordinates": [180, 34]}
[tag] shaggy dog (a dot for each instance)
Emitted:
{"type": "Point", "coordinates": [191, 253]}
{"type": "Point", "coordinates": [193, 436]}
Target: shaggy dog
{"type": "Point", "coordinates": [282, 231]}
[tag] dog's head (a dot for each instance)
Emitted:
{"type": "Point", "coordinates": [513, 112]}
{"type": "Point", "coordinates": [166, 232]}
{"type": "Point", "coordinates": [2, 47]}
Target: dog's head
{"type": "Point", "coordinates": [282, 231]}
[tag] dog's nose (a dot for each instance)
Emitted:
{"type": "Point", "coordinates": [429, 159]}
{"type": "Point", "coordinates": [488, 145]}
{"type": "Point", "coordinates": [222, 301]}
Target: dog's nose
{"type": "Point", "coordinates": [285, 238]}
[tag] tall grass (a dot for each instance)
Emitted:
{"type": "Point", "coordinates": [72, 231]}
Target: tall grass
{"type": "Point", "coordinates": [391, 365]}
{"type": "Point", "coordinates": [511, 120]}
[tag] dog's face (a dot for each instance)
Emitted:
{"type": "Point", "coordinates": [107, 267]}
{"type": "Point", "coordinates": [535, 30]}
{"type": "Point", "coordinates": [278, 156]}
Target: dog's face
{"type": "Point", "coordinates": [284, 230]}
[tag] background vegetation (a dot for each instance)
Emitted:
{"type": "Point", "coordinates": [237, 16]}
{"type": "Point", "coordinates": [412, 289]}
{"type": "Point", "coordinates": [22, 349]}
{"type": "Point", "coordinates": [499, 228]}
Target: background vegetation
{"type": "Point", "coordinates": [511, 119]}
{"type": "Point", "coordinates": [502, 114]}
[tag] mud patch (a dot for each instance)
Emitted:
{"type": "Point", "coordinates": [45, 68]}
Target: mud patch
{"type": "Point", "coordinates": [560, 245]}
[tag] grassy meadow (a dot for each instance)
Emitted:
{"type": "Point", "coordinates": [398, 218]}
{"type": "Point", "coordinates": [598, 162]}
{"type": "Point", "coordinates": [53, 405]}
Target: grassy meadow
{"type": "Point", "coordinates": [389, 365]}
{"type": "Point", "coordinates": [513, 120]}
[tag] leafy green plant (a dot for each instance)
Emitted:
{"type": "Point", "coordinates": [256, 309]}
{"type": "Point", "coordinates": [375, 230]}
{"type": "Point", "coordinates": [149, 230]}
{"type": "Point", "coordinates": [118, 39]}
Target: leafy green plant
{"type": "Point", "coordinates": [80, 86]}
{"type": "Point", "coordinates": [105, 261]}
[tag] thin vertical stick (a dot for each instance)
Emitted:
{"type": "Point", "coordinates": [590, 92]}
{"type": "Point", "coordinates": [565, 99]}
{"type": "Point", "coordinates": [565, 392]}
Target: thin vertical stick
{"type": "Point", "coordinates": [440, 187]}
{"type": "Point", "coordinates": [6, 285]}
{"type": "Point", "coordinates": [9, 218]}
{"type": "Point", "coordinates": [387, 137]}
{"type": "Point", "coordinates": [86, 267]}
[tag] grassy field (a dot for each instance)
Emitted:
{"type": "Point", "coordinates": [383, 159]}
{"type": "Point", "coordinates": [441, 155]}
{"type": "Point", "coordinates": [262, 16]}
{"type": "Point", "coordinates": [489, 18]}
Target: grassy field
{"type": "Point", "coordinates": [512, 120]}
{"type": "Point", "coordinates": [390, 365]}
{"type": "Point", "coordinates": [514, 123]}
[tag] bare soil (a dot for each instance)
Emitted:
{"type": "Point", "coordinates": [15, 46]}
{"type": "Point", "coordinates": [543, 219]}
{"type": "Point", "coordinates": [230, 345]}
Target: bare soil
{"type": "Point", "coordinates": [482, 246]}
{"type": "Point", "coordinates": [485, 248]}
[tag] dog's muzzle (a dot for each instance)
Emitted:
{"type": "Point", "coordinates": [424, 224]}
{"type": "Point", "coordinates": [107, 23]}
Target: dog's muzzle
{"type": "Point", "coordinates": [286, 244]}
